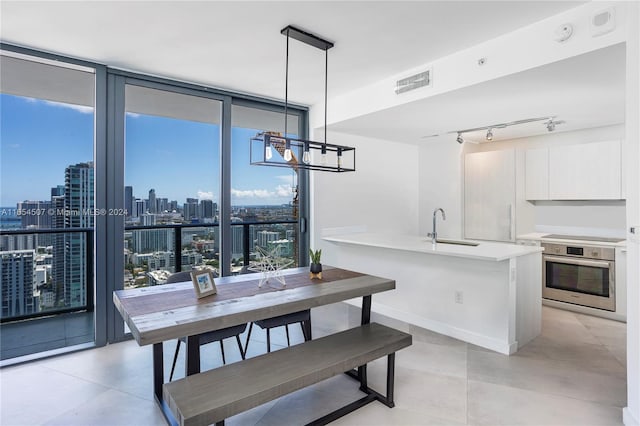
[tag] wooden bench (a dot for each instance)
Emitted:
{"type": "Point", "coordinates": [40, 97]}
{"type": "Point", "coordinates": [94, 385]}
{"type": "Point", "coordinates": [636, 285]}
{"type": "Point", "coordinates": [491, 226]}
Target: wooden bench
{"type": "Point", "coordinates": [214, 395]}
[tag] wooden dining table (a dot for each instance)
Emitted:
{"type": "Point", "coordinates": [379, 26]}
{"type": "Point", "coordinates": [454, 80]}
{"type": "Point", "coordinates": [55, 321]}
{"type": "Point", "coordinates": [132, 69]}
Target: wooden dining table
{"type": "Point", "coordinates": [165, 312]}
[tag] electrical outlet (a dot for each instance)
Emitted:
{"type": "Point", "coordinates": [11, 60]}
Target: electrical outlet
{"type": "Point", "coordinates": [459, 297]}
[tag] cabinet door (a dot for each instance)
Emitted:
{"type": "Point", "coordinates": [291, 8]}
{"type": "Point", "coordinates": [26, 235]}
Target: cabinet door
{"type": "Point", "coordinates": [489, 195]}
{"type": "Point", "coordinates": [537, 174]}
{"type": "Point", "coordinates": [585, 172]}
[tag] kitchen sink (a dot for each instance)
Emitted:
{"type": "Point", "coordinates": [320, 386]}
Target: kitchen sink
{"type": "Point", "coordinates": [457, 242]}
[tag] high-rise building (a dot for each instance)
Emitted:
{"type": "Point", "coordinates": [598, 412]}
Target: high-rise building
{"type": "Point", "coordinates": [207, 209]}
{"type": "Point", "coordinates": [264, 237]}
{"type": "Point", "coordinates": [140, 208]}
{"type": "Point", "coordinates": [152, 205]}
{"type": "Point", "coordinates": [17, 272]}
{"type": "Point", "coordinates": [57, 191]}
{"type": "Point", "coordinates": [191, 209]}
{"type": "Point", "coordinates": [237, 242]}
{"type": "Point", "coordinates": [148, 219]}
{"type": "Point", "coordinates": [57, 267]}
{"type": "Point", "coordinates": [152, 240]}
{"type": "Point", "coordinates": [163, 204]}
{"type": "Point", "coordinates": [78, 204]}
{"type": "Point", "coordinates": [35, 214]}
{"type": "Point", "coordinates": [129, 200]}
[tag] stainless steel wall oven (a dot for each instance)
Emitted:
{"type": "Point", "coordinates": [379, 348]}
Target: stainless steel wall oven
{"type": "Point", "coordinates": [579, 274]}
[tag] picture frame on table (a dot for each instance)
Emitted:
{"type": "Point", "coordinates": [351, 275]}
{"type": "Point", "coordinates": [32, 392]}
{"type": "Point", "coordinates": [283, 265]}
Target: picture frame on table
{"type": "Point", "coordinates": [203, 283]}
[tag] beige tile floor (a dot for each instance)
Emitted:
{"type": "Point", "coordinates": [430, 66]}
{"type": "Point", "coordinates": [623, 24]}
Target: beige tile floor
{"type": "Point", "coordinates": [572, 374]}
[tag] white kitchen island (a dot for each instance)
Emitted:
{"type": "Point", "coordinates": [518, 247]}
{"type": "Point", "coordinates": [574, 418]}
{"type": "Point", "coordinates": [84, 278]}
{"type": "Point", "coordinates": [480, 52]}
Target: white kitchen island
{"type": "Point", "coordinates": [489, 295]}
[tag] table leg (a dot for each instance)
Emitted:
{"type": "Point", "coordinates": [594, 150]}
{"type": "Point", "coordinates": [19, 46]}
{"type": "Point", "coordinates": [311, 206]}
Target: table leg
{"type": "Point", "coordinates": [193, 355]}
{"type": "Point", "coordinates": [158, 370]}
{"type": "Point", "coordinates": [366, 319]}
{"type": "Point", "coordinates": [366, 310]}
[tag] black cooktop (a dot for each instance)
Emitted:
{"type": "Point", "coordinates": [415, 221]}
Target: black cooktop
{"type": "Point", "coordinates": [573, 237]}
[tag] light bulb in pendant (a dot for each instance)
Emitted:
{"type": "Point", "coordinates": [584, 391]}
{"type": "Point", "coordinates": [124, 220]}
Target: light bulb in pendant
{"type": "Point", "coordinates": [339, 158]}
{"type": "Point", "coordinates": [268, 153]}
{"type": "Point", "coordinates": [323, 157]}
{"type": "Point", "coordinates": [287, 150]}
{"type": "Point", "coordinates": [306, 157]}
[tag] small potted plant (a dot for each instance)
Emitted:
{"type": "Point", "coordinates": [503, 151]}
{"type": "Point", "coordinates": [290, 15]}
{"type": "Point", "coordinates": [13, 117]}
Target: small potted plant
{"type": "Point", "coordinates": [315, 269]}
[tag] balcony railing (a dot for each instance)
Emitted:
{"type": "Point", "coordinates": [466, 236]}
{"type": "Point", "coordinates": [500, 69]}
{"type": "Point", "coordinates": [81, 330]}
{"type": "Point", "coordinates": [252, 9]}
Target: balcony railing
{"type": "Point", "coordinates": [9, 296]}
{"type": "Point", "coordinates": [180, 230]}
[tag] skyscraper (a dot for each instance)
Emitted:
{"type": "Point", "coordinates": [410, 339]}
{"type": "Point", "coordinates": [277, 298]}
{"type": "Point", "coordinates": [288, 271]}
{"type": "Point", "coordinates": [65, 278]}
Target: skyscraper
{"type": "Point", "coordinates": [78, 204]}
{"type": "Point", "coordinates": [207, 209]}
{"type": "Point", "coordinates": [191, 209]}
{"type": "Point", "coordinates": [129, 200]}
{"type": "Point", "coordinates": [17, 271]}
{"type": "Point", "coordinates": [153, 205]}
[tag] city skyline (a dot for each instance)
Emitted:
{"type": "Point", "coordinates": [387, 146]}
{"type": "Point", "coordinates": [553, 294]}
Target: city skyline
{"type": "Point", "coordinates": [155, 155]}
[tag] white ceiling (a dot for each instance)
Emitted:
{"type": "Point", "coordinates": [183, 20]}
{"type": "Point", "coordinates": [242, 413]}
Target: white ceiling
{"type": "Point", "coordinates": [238, 46]}
{"type": "Point", "coordinates": [585, 91]}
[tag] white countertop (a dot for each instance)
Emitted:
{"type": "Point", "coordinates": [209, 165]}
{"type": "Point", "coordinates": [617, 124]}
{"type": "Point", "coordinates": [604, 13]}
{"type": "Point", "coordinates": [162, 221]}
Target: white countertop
{"type": "Point", "coordinates": [540, 236]}
{"type": "Point", "coordinates": [484, 251]}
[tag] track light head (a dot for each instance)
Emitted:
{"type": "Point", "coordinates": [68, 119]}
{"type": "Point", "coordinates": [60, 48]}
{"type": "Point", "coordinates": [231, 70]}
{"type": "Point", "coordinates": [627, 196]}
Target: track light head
{"type": "Point", "coordinates": [551, 125]}
{"type": "Point", "coordinates": [489, 134]}
{"type": "Point", "coordinates": [459, 138]}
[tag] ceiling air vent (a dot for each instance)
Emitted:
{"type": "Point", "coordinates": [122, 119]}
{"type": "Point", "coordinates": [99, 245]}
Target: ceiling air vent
{"type": "Point", "coordinates": [415, 81]}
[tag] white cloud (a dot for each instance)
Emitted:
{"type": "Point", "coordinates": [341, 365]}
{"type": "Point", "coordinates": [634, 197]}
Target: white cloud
{"type": "Point", "coordinates": [251, 193]}
{"type": "Point", "coordinates": [80, 108]}
{"type": "Point", "coordinates": [284, 191]}
{"type": "Point", "coordinates": [132, 114]}
{"type": "Point", "coordinates": [205, 195]}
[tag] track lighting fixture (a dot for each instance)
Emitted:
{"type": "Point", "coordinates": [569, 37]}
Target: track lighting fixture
{"type": "Point", "coordinates": [489, 134]}
{"type": "Point", "coordinates": [550, 123]}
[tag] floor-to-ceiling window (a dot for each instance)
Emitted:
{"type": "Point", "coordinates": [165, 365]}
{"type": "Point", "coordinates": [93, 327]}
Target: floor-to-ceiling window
{"type": "Point", "coordinates": [265, 201]}
{"type": "Point", "coordinates": [114, 180]}
{"type": "Point", "coordinates": [47, 137]}
{"type": "Point", "coordinates": [172, 184]}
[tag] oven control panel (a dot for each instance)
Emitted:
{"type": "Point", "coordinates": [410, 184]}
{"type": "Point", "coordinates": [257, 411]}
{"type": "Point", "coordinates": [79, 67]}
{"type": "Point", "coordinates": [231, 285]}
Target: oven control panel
{"type": "Point", "coordinates": [588, 252]}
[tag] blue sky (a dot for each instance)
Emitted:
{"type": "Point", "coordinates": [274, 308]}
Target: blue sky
{"type": "Point", "coordinates": [177, 158]}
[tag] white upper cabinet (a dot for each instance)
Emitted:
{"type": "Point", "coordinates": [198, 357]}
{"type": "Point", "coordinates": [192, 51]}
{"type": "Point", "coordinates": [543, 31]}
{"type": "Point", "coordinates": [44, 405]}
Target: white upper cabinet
{"type": "Point", "coordinates": [585, 172]}
{"type": "Point", "coordinates": [537, 174]}
{"type": "Point", "coordinates": [489, 195]}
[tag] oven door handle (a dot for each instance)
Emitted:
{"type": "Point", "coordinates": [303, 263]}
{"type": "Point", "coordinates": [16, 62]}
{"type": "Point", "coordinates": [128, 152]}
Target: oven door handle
{"type": "Point", "coordinates": [574, 261]}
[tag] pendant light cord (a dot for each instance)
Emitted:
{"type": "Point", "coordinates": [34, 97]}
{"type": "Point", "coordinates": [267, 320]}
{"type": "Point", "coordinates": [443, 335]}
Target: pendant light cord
{"type": "Point", "coordinates": [286, 88]}
{"type": "Point", "coordinates": [326, 77]}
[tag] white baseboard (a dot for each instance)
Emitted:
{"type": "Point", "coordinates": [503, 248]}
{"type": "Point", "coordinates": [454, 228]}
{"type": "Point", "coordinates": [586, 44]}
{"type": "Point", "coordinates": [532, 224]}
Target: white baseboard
{"type": "Point", "coordinates": [500, 346]}
{"type": "Point", "coordinates": [628, 419]}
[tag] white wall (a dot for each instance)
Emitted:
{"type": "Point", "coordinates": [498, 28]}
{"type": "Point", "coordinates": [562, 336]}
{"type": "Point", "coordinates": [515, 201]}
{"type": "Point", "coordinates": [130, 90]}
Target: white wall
{"type": "Point", "coordinates": [440, 186]}
{"type": "Point", "coordinates": [382, 195]}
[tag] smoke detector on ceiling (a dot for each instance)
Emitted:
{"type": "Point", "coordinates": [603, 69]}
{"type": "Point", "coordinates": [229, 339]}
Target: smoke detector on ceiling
{"type": "Point", "coordinates": [563, 33]}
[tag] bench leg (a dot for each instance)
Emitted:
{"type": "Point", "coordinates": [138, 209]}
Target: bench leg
{"type": "Point", "coordinates": [391, 372]}
{"type": "Point", "coordinates": [370, 397]}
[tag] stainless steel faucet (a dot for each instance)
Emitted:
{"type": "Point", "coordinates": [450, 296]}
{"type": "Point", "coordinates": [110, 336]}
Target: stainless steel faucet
{"type": "Point", "coordinates": [434, 234]}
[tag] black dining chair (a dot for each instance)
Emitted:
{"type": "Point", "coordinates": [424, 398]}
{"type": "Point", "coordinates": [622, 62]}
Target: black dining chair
{"type": "Point", "coordinates": [303, 317]}
{"type": "Point", "coordinates": [210, 336]}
